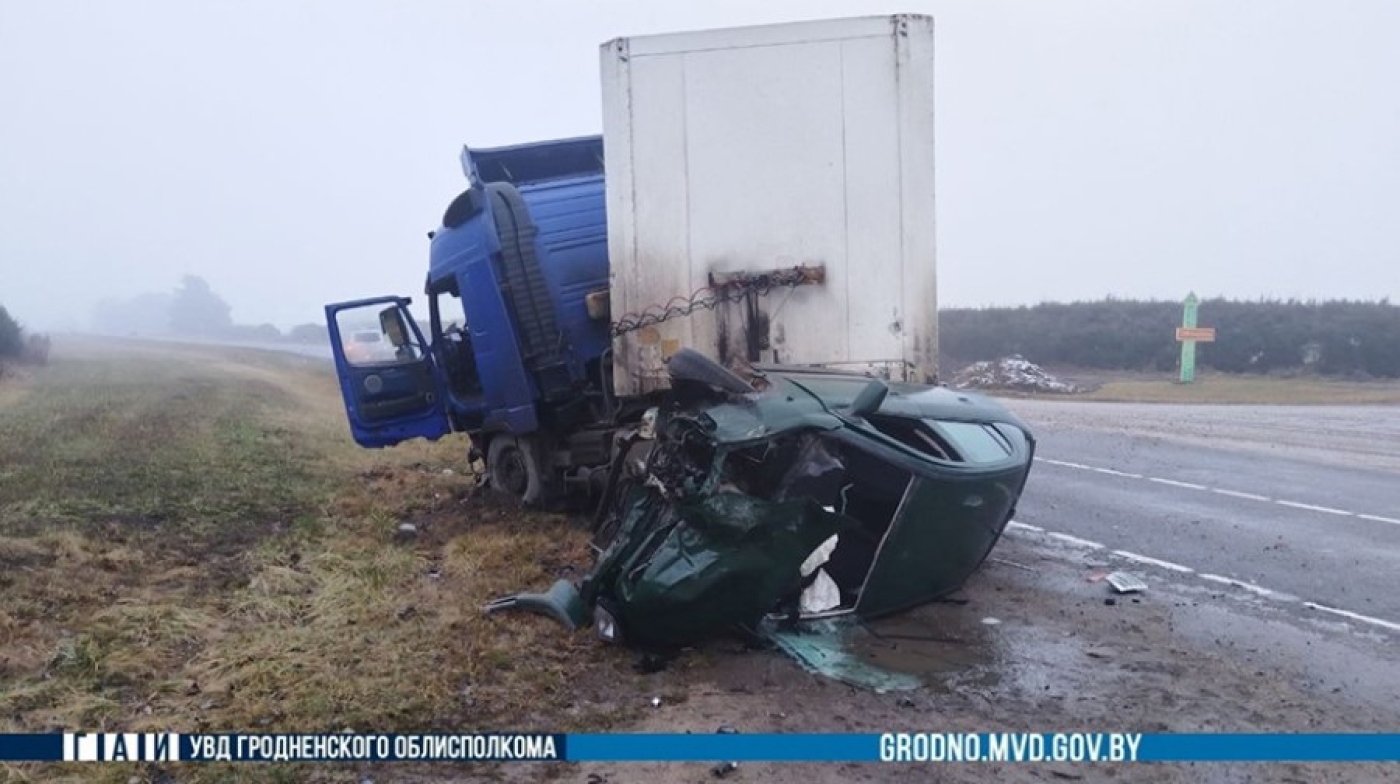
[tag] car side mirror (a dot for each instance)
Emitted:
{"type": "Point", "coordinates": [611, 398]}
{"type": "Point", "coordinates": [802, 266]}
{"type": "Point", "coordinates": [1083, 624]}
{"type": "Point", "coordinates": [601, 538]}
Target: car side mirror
{"type": "Point", "coordinates": [391, 323]}
{"type": "Point", "coordinates": [870, 398]}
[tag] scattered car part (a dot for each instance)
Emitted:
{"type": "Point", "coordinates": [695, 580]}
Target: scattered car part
{"type": "Point", "coordinates": [824, 647]}
{"type": "Point", "coordinates": [1123, 582]}
{"type": "Point", "coordinates": [561, 602]}
{"type": "Point", "coordinates": [723, 769]}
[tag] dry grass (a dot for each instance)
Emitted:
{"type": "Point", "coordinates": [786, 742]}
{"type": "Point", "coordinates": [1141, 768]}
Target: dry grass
{"type": "Point", "coordinates": [1250, 389]}
{"type": "Point", "coordinates": [192, 542]}
{"type": "Point", "coordinates": [13, 384]}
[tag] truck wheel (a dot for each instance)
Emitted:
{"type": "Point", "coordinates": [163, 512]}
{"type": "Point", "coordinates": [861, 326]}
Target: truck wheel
{"type": "Point", "coordinates": [513, 464]}
{"type": "Point", "coordinates": [690, 365]}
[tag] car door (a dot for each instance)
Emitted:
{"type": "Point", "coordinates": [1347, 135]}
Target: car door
{"type": "Point", "coordinates": [389, 380]}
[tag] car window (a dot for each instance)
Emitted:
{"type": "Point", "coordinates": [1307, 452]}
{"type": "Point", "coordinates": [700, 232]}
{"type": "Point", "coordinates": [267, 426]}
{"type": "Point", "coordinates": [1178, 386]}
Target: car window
{"type": "Point", "coordinates": [974, 441]}
{"type": "Point", "coordinates": [363, 341]}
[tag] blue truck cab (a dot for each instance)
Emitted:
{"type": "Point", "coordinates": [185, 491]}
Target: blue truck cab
{"type": "Point", "coordinates": [514, 351]}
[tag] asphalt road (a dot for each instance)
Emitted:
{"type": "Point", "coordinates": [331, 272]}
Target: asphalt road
{"type": "Point", "coordinates": [1295, 505]}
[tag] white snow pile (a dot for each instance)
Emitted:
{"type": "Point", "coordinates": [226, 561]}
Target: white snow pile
{"type": "Point", "coordinates": [1010, 373]}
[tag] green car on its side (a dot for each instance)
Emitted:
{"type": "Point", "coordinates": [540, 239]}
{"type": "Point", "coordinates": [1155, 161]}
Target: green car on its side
{"type": "Point", "coordinates": [711, 513]}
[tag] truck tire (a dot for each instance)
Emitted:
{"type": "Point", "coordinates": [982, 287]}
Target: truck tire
{"type": "Point", "coordinates": [690, 365]}
{"type": "Point", "coordinates": [513, 464]}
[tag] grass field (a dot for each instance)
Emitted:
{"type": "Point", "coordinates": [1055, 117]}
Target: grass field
{"type": "Point", "coordinates": [191, 542]}
{"type": "Point", "coordinates": [1249, 389]}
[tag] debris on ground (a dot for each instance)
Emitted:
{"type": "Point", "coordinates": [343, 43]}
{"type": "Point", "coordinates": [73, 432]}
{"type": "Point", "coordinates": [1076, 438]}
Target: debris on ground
{"type": "Point", "coordinates": [828, 648]}
{"type": "Point", "coordinates": [1013, 373]}
{"type": "Point", "coordinates": [723, 769]}
{"type": "Point", "coordinates": [1123, 582]}
{"type": "Point", "coordinates": [649, 663]}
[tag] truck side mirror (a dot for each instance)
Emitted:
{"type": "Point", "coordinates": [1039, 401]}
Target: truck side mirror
{"type": "Point", "coordinates": [391, 323]}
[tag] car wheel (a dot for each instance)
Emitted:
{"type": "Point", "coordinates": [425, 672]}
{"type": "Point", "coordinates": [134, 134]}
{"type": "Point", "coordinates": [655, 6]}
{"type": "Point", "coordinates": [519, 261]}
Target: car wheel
{"type": "Point", "coordinates": [514, 467]}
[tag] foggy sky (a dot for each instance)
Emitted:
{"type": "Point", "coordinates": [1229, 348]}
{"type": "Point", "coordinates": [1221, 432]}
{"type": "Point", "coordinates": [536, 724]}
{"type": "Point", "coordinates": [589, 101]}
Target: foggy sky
{"type": "Point", "coordinates": [296, 152]}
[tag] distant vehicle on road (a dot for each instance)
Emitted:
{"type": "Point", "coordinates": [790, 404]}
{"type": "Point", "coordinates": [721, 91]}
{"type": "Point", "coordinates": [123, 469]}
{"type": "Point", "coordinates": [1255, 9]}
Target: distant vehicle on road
{"type": "Point", "coordinates": [367, 346]}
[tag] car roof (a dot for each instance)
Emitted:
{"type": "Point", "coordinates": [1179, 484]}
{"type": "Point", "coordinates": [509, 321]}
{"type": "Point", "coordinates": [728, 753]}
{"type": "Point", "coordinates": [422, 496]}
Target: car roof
{"type": "Point", "coordinates": [797, 400]}
{"type": "Point", "coordinates": [920, 401]}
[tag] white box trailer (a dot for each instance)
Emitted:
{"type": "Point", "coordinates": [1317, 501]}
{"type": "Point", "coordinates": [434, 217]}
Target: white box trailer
{"type": "Point", "coordinates": [739, 152]}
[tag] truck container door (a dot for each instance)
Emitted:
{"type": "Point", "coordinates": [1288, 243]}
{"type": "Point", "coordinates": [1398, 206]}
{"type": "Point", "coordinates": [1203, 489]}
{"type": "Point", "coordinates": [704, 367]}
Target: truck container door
{"type": "Point", "coordinates": [391, 385]}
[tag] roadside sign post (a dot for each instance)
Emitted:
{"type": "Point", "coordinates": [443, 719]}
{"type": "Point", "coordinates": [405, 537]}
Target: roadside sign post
{"type": "Point", "coordinates": [1188, 334]}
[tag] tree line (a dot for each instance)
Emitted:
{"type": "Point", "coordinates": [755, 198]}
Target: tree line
{"type": "Point", "coordinates": [1336, 337]}
{"type": "Point", "coordinates": [192, 309]}
{"type": "Point", "coordinates": [16, 345]}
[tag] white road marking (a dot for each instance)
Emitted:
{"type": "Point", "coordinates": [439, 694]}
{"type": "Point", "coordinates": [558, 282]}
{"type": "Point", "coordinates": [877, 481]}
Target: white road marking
{"type": "Point", "coordinates": [1175, 567]}
{"type": "Point", "coordinates": [1112, 472]}
{"type": "Point", "coordinates": [1222, 491]}
{"type": "Point", "coordinates": [1251, 587]}
{"type": "Point", "coordinates": [1207, 576]}
{"type": "Point", "coordinates": [1395, 627]}
{"type": "Point", "coordinates": [1238, 494]}
{"type": "Point", "coordinates": [1174, 483]}
{"type": "Point", "coordinates": [1074, 540]}
{"type": "Point", "coordinates": [1311, 508]}
{"type": "Point", "coordinates": [1064, 463]}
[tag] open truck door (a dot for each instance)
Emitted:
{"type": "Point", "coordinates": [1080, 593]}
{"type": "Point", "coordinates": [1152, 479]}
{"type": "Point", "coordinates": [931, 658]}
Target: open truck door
{"type": "Point", "coordinates": [390, 383]}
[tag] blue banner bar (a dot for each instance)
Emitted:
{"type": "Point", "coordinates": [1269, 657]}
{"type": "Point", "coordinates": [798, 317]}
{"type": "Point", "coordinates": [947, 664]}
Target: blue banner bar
{"type": "Point", "coordinates": [988, 747]}
{"type": "Point", "coordinates": [901, 747]}
{"type": "Point", "coordinates": [30, 748]}
{"type": "Point", "coordinates": [1318, 747]}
